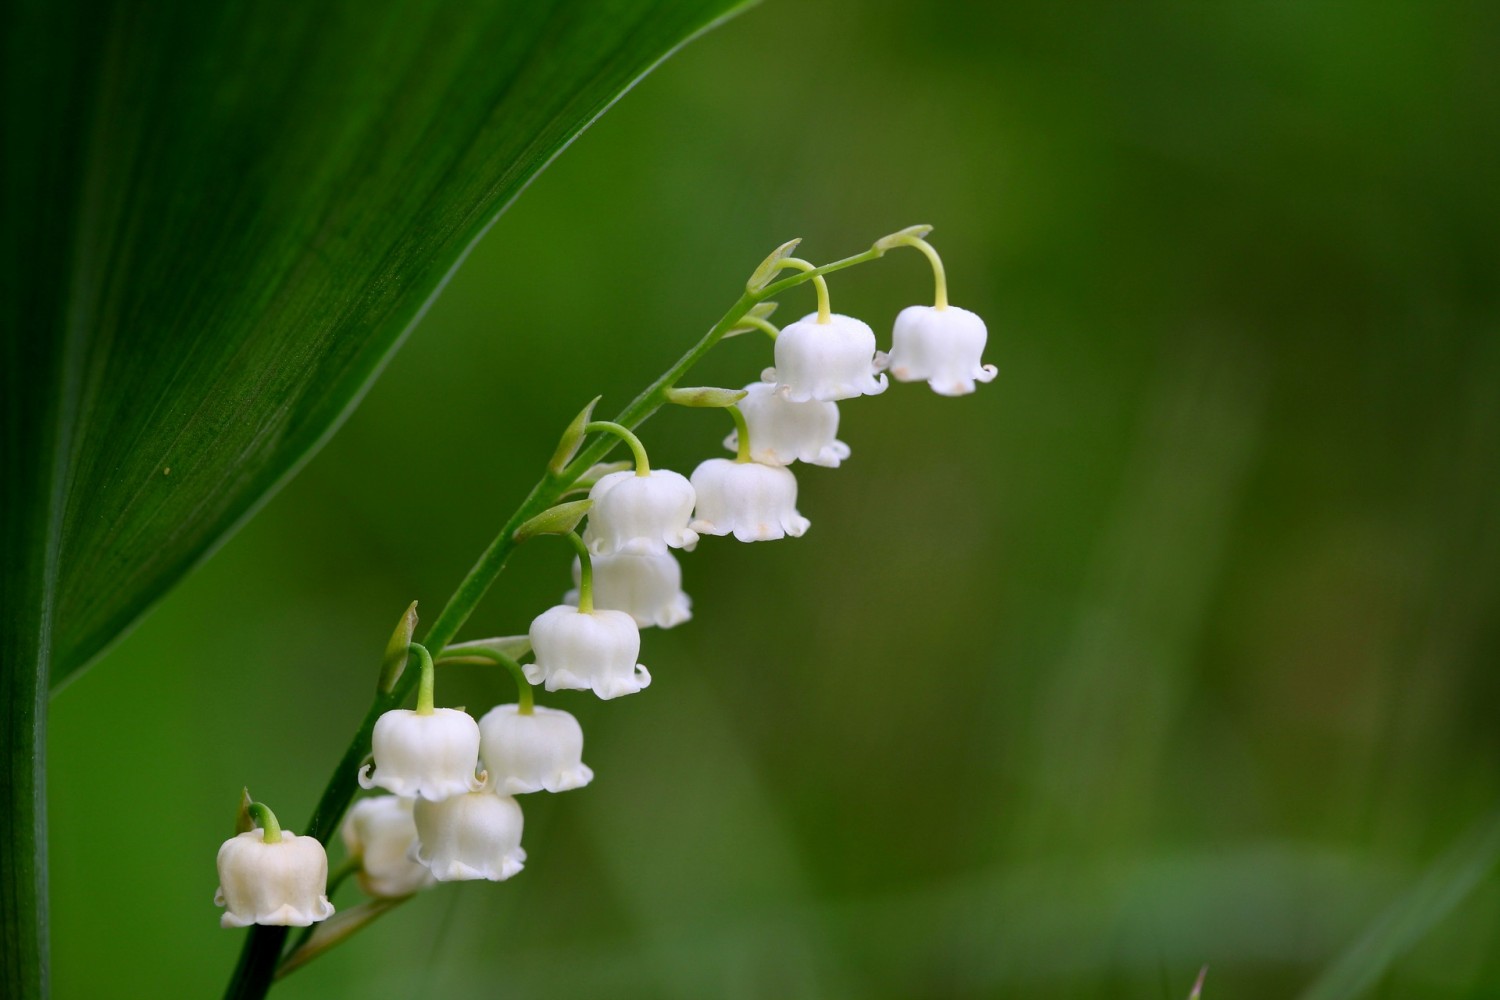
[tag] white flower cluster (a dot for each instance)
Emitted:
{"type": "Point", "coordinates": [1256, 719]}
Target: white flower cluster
{"type": "Point", "coordinates": [446, 817]}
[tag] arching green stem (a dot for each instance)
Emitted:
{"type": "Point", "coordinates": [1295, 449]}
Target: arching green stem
{"type": "Point", "coordinates": [270, 830]}
{"type": "Point", "coordinates": [424, 686]}
{"type": "Point", "coordinates": [524, 698]}
{"type": "Point", "coordinates": [939, 276]}
{"type": "Point", "coordinates": [642, 465]}
{"type": "Point", "coordinates": [585, 574]}
{"type": "Point", "coordinates": [764, 325]}
{"type": "Point", "coordinates": [339, 875]}
{"type": "Point", "coordinates": [742, 433]}
{"type": "Point", "coordinates": [825, 312]}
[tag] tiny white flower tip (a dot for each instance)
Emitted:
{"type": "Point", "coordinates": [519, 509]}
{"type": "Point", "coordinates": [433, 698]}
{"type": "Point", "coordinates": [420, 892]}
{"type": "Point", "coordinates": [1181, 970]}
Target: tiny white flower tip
{"type": "Point", "coordinates": [827, 361]}
{"type": "Point", "coordinates": [424, 756]}
{"type": "Point", "coordinates": [751, 501]}
{"type": "Point", "coordinates": [542, 751]}
{"type": "Point", "coordinates": [634, 513]}
{"type": "Point", "coordinates": [942, 347]}
{"type": "Point", "coordinates": [593, 651]}
{"type": "Point", "coordinates": [282, 884]}
{"type": "Point", "coordinates": [471, 836]}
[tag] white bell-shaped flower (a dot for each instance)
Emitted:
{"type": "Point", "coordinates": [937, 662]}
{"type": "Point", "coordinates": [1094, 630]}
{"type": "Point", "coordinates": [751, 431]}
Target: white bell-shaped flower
{"type": "Point", "coordinates": [826, 361]}
{"type": "Point", "coordinates": [470, 836]}
{"type": "Point", "coordinates": [754, 502]}
{"type": "Point", "coordinates": [646, 586]}
{"type": "Point", "coordinates": [283, 883]}
{"type": "Point", "coordinates": [942, 347]}
{"type": "Point", "coordinates": [380, 832]}
{"type": "Point", "coordinates": [430, 756]}
{"type": "Point", "coordinates": [586, 651]}
{"type": "Point", "coordinates": [529, 752]}
{"type": "Point", "coordinates": [783, 432]}
{"type": "Point", "coordinates": [634, 513]}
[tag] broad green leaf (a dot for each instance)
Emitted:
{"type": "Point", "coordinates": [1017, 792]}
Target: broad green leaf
{"type": "Point", "coordinates": [219, 220]}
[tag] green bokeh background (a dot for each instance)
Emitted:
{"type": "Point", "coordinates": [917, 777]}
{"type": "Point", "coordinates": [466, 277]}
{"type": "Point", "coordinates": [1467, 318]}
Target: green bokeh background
{"type": "Point", "coordinates": [1175, 645]}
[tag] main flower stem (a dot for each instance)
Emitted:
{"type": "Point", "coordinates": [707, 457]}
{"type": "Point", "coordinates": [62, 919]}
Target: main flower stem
{"type": "Point", "coordinates": [252, 975]}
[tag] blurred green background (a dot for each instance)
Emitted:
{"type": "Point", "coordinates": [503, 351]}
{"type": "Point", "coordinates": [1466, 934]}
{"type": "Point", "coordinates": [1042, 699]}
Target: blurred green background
{"type": "Point", "coordinates": [1175, 645]}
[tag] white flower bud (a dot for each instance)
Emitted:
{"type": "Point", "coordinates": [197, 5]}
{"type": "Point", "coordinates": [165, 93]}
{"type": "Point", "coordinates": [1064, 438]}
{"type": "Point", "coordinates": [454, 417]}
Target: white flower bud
{"type": "Point", "coordinates": [586, 651]}
{"type": "Point", "coordinates": [634, 513]}
{"type": "Point", "coordinates": [380, 832]}
{"type": "Point", "coordinates": [942, 347]}
{"type": "Point", "coordinates": [283, 883]}
{"type": "Point", "coordinates": [424, 756]}
{"type": "Point", "coordinates": [647, 587]}
{"type": "Point", "coordinates": [529, 753]}
{"type": "Point", "coordinates": [754, 502]}
{"type": "Point", "coordinates": [783, 432]}
{"type": "Point", "coordinates": [470, 836]}
{"type": "Point", "coordinates": [826, 361]}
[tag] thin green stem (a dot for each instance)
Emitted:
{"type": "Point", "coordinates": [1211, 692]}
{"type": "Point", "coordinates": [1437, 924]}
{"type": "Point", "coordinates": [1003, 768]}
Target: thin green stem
{"type": "Point", "coordinates": [336, 878]}
{"type": "Point", "coordinates": [585, 574]}
{"type": "Point", "coordinates": [742, 434]}
{"type": "Point", "coordinates": [270, 830]}
{"type": "Point", "coordinates": [939, 276]}
{"type": "Point", "coordinates": [424, 685]}
{"type": "Point", "coordinates": [764, 325]}
{"type": "Point", "coordinates": [524, 698]}
{"type": "Point", "coordinates": [341, 874]}
{"type": "Point", "coordinates": [777, 287]}
{"type": "Point", "coordinates": [825, 311]}
{"type": "Point", "coordinates": [642, 465]}
{"type": "Point", "coordinates": [263, 947]}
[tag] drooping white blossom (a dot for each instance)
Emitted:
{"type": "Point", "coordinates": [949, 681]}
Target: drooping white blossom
{"type": "Point", "coordinates": [646, 586]}
{"type": "Point", "coordinates": [380, 832]}
{"type": "Point", "coordinates": [531, 752]}
{"type": "Point", "coordinates": [783, 432]}
{"type": "Point", "coordinates": [586, 651]}
{"type": "Point", "coordinates": [943, 347]}
{"type": "Point", "coordinates": [283, 883]}
{"type": "Point", "coordinates": [471, 836]}
{"type": "Point", "coordinates": [753, 502]}
{"type": "Point", "coordinates": [826, 361]}
{"type": "Point", "coordinates": [634, 513]}
{"type": "Point", "coordinates": [429, 756]}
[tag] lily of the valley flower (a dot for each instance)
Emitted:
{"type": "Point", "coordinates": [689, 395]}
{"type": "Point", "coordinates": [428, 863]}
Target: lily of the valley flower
{"type": "Point", "coordinates": [586, 651]}
{"type": "Point", "coordinates": [640, 513]}
{"type": "Point", "coordinates": [471, 836]}
{"type": "Point", "coordinates": [753, 502]}
{"type": "Point", "coordinates": [531, 752]}
{"type": "Point", "coordinates": [783, 432]}
{"type": "Point", "coordinates": [646, 586]}
{"type": "Point", "coordinates": [826, 361]}
{"type": "Point", "coordinates": [941, 346]}
{"type": "Point", "coordinates": [282, 881]}
{"type": "Point", "coordinates": [429, 755]}
{"type": "Point", "coordinates": [380, 832]}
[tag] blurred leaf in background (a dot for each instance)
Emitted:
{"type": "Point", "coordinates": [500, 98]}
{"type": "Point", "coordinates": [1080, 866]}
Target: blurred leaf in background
{"type": "Point", "coordinates": [1175, 644]}
{"type": "Point", "coordinates": [220, 220]}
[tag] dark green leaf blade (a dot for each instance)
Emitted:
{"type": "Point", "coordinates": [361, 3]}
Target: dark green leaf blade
{"type": "Point", "coordinates": [219, 221]}
{"type": "Point", "coordinates": [273, 195]}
